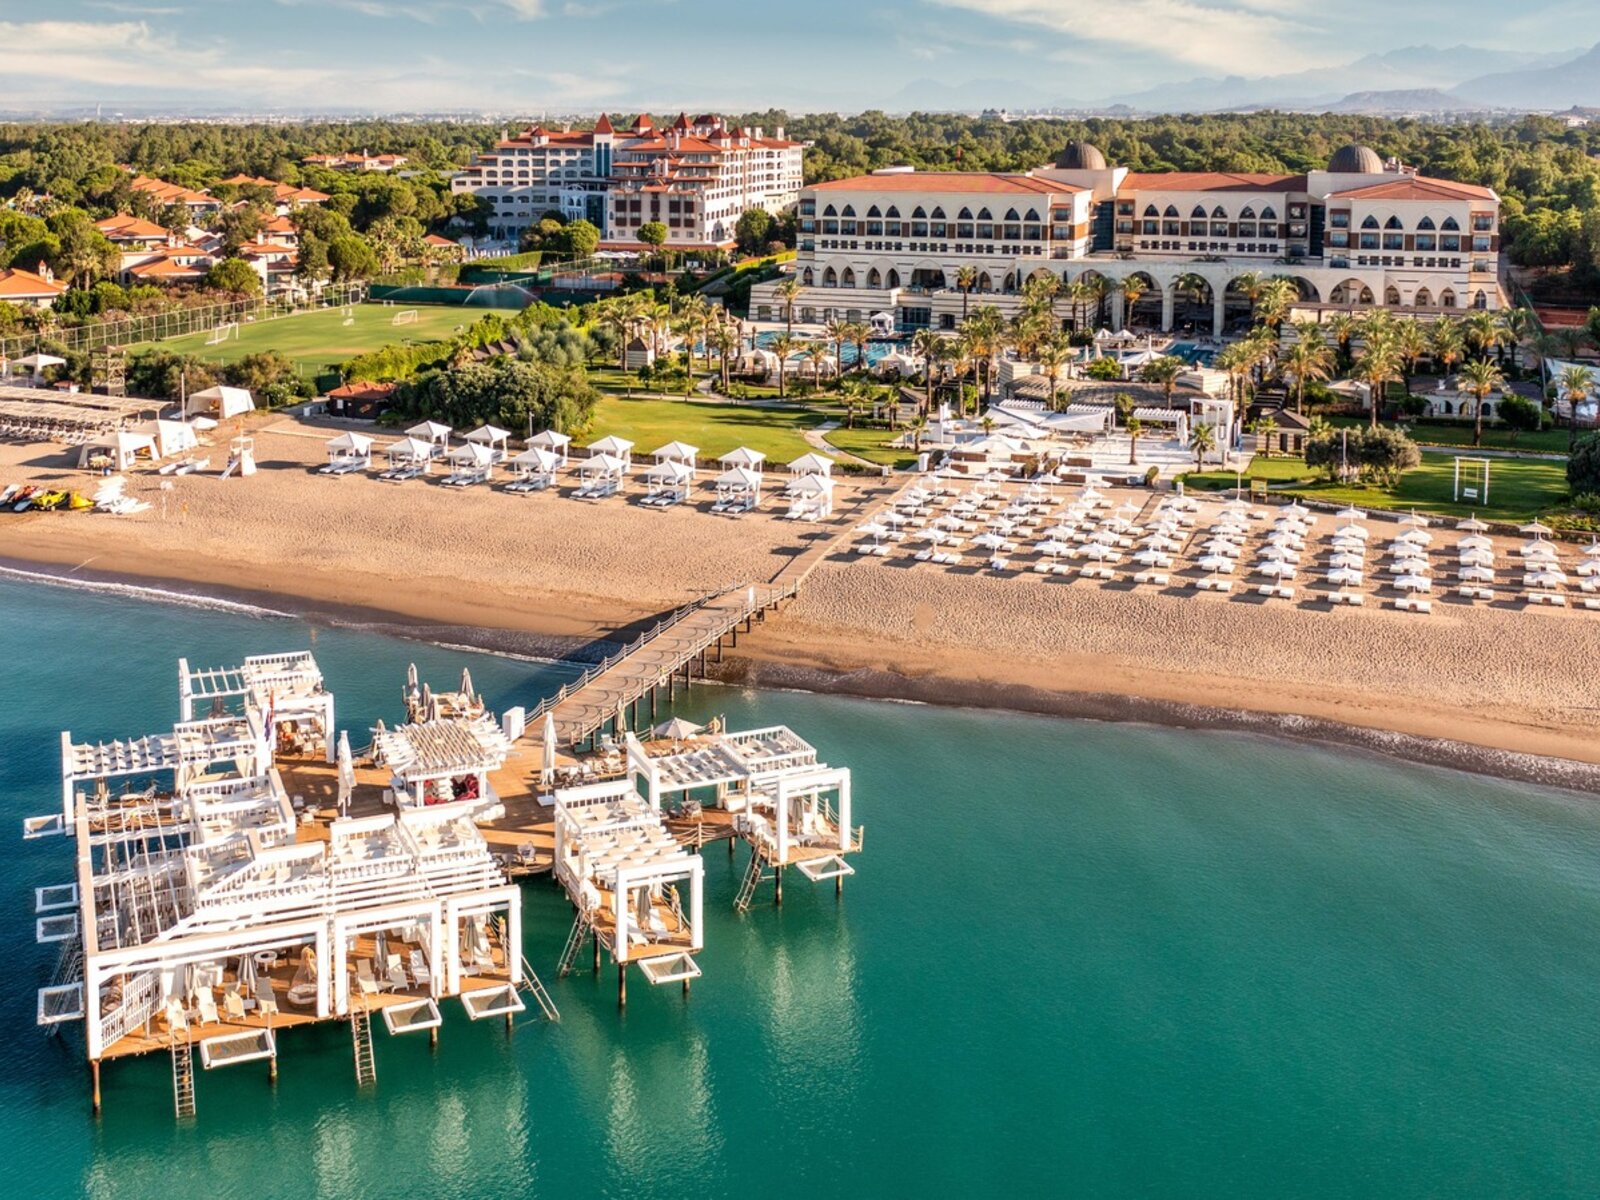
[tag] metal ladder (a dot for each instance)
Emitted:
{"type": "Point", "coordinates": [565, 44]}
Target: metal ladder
{"type": "Point", "coordinates": [581, 928]}
{"type": "Point", "coordinates": [182, 1076]}
{"type": "Point", "coordinates": [361, 1035]}
{"type": "Point", "coordinates": [752, 879]}
{"type": "Point", "coordinates": [535, 988]}
{"type": "Point", "coordinates": [69, 969]}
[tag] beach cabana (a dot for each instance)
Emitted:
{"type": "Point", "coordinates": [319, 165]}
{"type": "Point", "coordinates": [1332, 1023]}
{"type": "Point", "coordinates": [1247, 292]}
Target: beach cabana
{"type": "Point", "coordinates": [667, 483]}
{"type": "Point", "coordinates": [220, 402]}
{"type": "Point", "coordinates": [473, 462]}
{"type": "Point", "coordinates": [811, 464]}
{"type": "Point", "coordinates": [408, 458]}
{"type": "Point", "coordinates": [173, 438]}
{"type": "Point", "coordinates": [434, 434]}
{"type": "Point", "coordinates": [348, 452]}
{"type": "Point", "coordinates": [738, 490]}
{"type": "Point", "coordinates": [678, 452]}
{"type": "Point", "coordinates": [743, 457]}
{"type": "Point", "coordinates": [534, 470]}
{"type": "Point", "coordinates": [600, 475]}
{"type": "Point", "coordinates": [492, 436]}
{"type": "Point", "coordinates": [122, 446]}
{"type": "Point", "coordinates": [614, 447]}
{"type": "Point", "coordinates": [810, 498]}
{"type": "Point", "coordinates": [558, 444]}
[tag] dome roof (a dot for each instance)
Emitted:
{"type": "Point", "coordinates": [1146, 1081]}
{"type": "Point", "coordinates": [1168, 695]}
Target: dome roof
{"type": "Point", "coordinates": [1355, 160]}
{"type": "Point", "coordinates": [1080, 156]}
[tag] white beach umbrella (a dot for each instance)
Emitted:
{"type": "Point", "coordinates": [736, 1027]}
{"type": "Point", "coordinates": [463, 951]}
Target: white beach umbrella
{"type": "Point", "coordinates": [1471, 525]}
{"type": "Point", "coordinates": [1351, 513]}
{"type": "Point", "coordinates": [1276, 570]}
{"type": "Point", "coordinates": [1477, 558]}
{"type": "Point", "coordinates": [1150, 558]}
{"type": "Point", "coordinates": [1216, 564]}
{"type": "Point", "coordinates": [1053, 547]}
{"type": "Point", "coordinates": [1351, 531]}
{"type": "Point", "coordinates": [1296, 509]}
{"type": "Point", "coordinates": [1413, 583]}
{"type": "Point", "coordinates": [1101, 553]}
{"type": "Point", "coordinates": [1060, 531]}
{"type": "Point", "coordinates": [677, 729]}
{"type": "Point", "coordinates": [1220, 547]}
{"type": "Point", "coordinates": [1160, 542]}
{"type": "Point", "coordinates": [1345, 577]}
{"type": "Point", "coordinates": [1589, 566]}
{"type": "Point", "coordinates": [1538, 548]}
{"type": "Point", "coordinates": [1475, 541]}
{"type": "Point", "coordinates": [1546, 577]}
{"type": "Point", "coordinates": [1410, 566]}
{"type": "Point", "coordinates": [1350, 545]}
{"type": "Point", "coordinates": [936, 537]}
{"type": "Point", "coordinates": [873, 529]}
{"type": "Point", "coordinates": [1477, 574]}
{"type": "Point", "coordinates": [1413, 521]}
{"type": "Point", "coordinates": [1417, 537]}
{"type": "Point", "coordinates": [989, 541]}
{"type": "Point", "coordinates": [1592, 550]}
{"type": "Point", "coordinates": [1347, 561]}
{"type": "Point", "coordinates": [894, 520]}
{"type": "Point", "coordinates": [1537, 528]}
{"type": "Point", "coordinates": [547, 765]}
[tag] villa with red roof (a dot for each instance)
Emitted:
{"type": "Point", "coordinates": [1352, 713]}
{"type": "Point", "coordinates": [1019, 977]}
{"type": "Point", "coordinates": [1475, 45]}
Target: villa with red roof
{"type": "Point", "coordinates": [1363, 233]}
{"type": "Point", "coordinates": [31, 289]}
{"type": "Point", "coordinates": [696, 177]}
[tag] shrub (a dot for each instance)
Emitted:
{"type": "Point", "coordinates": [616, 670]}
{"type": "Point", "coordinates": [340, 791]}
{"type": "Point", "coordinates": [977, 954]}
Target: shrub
{"type": "Point", "coordinates": [1106, 370]}
{"type": "Point", "coordinates": [1583, 468]}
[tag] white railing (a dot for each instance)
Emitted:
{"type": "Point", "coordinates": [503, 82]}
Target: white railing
{"type": "Point", "coordinates": [139, 999]}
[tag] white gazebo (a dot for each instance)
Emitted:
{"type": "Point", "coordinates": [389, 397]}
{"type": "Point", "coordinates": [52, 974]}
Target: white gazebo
{"type": "Point", "coordinates": [534, 470]}
{"type": "Point", "coordinates": [558, 444]}
{"type": "Point", "coordinates": [437, 436]}
{"type": "Point", "coordinates": [220, 402]}
{"type": "Point", "coordinates": [600, 475]}
{"type": "Point", "coordinates": [614, 447]}
{"type": "Point", "coordinates": [409, 457]}
{"type": "Point", "coordinates": [678, 452]}
{"type": "Point", "coordinates": [738, 490]}
{"type": "Point", "coordinates": [810, 498]}
{"type": "Point", "coordinates": [743, 457]}
{"type": "Point", "coordinates": [122, 446]}
{"type": "Point", "coordinates": [492, 436]}
{"type": "Point", "coordinates": [348, 452]}
{"type": "Point", "coordinates": [811, 464]}
{"type": "Point", "coordinates": [667, 483]}
{"type": "Point", "coordinates": [473, 462]}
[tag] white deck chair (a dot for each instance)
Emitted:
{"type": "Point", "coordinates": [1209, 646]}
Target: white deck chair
{"type": "Point", "coordinates": [397, 973]}
{"type": "Point", "coordinates": [206, 1003]}
{"type": "Point", "coordinates": [419, 969]}
{"type": "Point", "coordinates": [365, 980]}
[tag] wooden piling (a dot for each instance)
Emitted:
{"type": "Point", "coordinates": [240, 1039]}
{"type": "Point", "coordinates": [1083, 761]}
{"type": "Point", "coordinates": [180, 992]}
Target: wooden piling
{"type": "Point", "coordinates": [777, 890]}
{"type": "Point", "coordinates": [94, 1085]}
{"type": "Point", "coordinates": [622, 985]}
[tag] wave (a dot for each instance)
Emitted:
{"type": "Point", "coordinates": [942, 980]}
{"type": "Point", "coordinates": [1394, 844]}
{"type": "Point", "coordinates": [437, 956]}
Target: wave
{"type": "Point", "coordinates": [141, 592]}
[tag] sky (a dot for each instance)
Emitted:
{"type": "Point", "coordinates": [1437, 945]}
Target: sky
{"type": "Point", "coordinates": [579, 56]}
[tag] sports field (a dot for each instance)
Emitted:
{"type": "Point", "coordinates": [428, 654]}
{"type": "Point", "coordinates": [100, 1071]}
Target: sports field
{"type": "Point", "coordinates": [315, 340]}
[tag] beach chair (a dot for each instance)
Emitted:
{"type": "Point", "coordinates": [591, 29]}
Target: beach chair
{"type": "Point", "coordinates": [206, 1004]}
{"type": "Point", "coordinates": [177, 1019]}
{"type": "Point", "coordinates": [365, 980]}
{"type": "Point", "coordinates": [233, 1005]}
{"type": "Point", "coordinates": [397, 973]}
{"type": "Point", "coordinates": [419, 969]}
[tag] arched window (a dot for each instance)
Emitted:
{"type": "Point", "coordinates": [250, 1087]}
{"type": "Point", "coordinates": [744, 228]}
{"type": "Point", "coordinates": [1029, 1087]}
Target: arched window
{"type": "Point", "coordinates": [874, 279]}
{"type": "Point", "coordinates": [848, 279]}
{"type": "Point", "coordinates": [964, 215]}
{"type": "Point", "coordinates": [893, 214]}
{"type": "Point", "coordinates": [1199, 213]}
{"type": "Point", "coordinates": [1424, 298]}
{"type": "Point", "coordinates": [985, 215]}
{"type": "Point", "coordinates": [1425, 223]}
{"type": "Point", "coordinates": [937, 215]}
{"type": "Point", "coordinates": [830, 211]}
{"type": "Point", "coordinates": [1267, 214]}
{"type": "Point", "coordinates": [830, 277]}
{"type": "Point", "coordinates": [873, 211]}
{"type": "Point", "coordinates": [1450, 224]}
{"type": "Point", "coordinates": [1447, 299]}
{"type": "Point", "coordinates": [920, 214]}
{"type": "Point", "coordinates": [1033, 215]}
{"type": "Point", "coordinates": [1150, 211]}
{"type": "Point", "coordinates": [1393, 223]}
{"type": "Point", "coordinates": [1171, 211]}
{"type": "Point", "coordinates": [849, 210]}
{"type": "Point", "coordinates": [1247, 213]}
{"type": "Point", "coordinates": [985, 284]}
{"type": "Point", "coordinates": [1370, 223]}
{"type": "Point", "coordinates": [806, 277]}
{"type": "Point", "coordinates": [1011, 215]}
{"type": "Point", "coordinates": [1391, 296]}
{"type": "Point", "coordinates": [1218, 215]}
{"type": "Point", "coordinates": [893, 278]}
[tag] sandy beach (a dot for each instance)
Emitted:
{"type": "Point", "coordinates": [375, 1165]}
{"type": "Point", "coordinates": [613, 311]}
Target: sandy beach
{"type": "Point", "coordinates": [549, 574]}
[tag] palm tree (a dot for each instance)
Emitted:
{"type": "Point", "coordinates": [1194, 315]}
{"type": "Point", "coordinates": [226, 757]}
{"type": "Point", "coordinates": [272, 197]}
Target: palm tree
{"type": "Point", "coordinates": [788, 292]}
{"type": "Point", "coordinates": [1133, 287]}
{"type": "Point", "coordinates": [966, 280]}
{"type": "Point", "coordinates": [1574, 383]}
{"type": "Point", "coordinates": [1343, 327]}
{"type": "Point", "coordinates": [1135, 427]}
{"type": "Point", "coordinates": [1482, 332]}
{"type": "Point", "coordinates": [985, 330]}
{"type": "Point", "coordinates": [1445, 344]}
{"type": "Point", "coordinates": [1377, 365]}
{"type": "Point", "coordinates": [838, 332]}
{"type": "Point", "coordinates": [1564, 341]}
{"type": "Point", "coordinates": [1202, 441]}
{"type": "Point", "coordinates": [1275, 300]}
{"type": "Point", "coordinates": [1309, 358]}
{"type": "Point", "coordinates": [1052, 351]}
{"type": "Point", "coordinates": [783, 346]}
{"type": "Point", "coordinates": [726, 341]}
{"type": "Point", "coordinates": [860, 335]}
{"type": "Point", "coordinates": [1266, 427]}
{"type": "Point", "coordinates": [917, 424]}
{"type": "Point", "coordinates": [1410, 344]}
{"type": "Point", "coordinates": [1165, 371]}
{"type": "Point", "coordinates": [1515, 326]}
{"type": "Point", "coordinates": [1249, 286]}
{"type": "Point", "coordinates": [1235, 360]}
{"type": "Point", "coordinates": [1480, 378]}
{"type": "Point", "coordinates": [927, 345]}
{"type": "Point", "coordinates": [816, 353]}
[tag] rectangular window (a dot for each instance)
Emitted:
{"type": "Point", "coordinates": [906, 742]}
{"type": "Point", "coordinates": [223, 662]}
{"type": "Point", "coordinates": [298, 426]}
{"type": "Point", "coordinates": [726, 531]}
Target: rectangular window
{"type": "Point", "coordinates": [1394, 241]}
{"type": "Point", "coordinates": [1369, 241]}
{"type": "Point", "coordinates": [1425, 242]}
{"type": "Point", "coordinates": [1450, 243]}
{"type": "Point", "coordinates": [1339, 220]}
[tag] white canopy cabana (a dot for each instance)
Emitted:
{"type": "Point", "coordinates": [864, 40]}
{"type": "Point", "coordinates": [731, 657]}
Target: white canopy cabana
{"type": "Point", "coordinates": [743, 457]}
{"type": "Point", "coordinates": [122, 446]}
{"type": "Point", "coordinates": [348, 452]}
{"type": "Point", "coordinates": [433, 433]}
{"type": "Point", "coordinates": [409, 452]}
{"type": "Point", "coordinates": [533, 469]}
{"type": "Point", "coordinates": [613, 447]}
{"type": "Point", "coordinates": [738, 489]}
{"type": "Point", "coordinates": [810, 497]}
{"type": "Point", "coordinates": [678, 452]}
{"type": "Point", "coordinates": [667, 483]}
{"type": "Point", "coordinates": [492, 436]}
{"type": "Point", "coordinates": [473, 463]}
{"type": "Point", "coordinates": [811, 464]}
{"type": "Point", "coordinates": [600, 475]}
{"type": "Point", "coordinates": [220, 402]}
{"type": "Point", "coordinates": [172, 437]}
{"type": "Point", "coordinates": [557, 443]}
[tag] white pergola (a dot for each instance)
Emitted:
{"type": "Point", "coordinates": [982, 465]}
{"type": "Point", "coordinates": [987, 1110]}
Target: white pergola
{"type": "Point", "coordinates": [613, 447]}
{"type": "Point", "coordinates": [434, 434]}
{"type": "Point", "coordinates": [410, 452]}
{"type": "Point", "coordinates": [678, 452]}
{"type": "Point", "coordinates": [492, 436]}
{"type": "Point", "coordinates": [535, 468]}
{"type": "Point", "coordinates": [350, 451]}
{"type": "Point", "coordinates": [739, 486]}
{"type": "Point", "coordinates": [667, 483]}
{"type": "Point", "coordinates": [557, 443]}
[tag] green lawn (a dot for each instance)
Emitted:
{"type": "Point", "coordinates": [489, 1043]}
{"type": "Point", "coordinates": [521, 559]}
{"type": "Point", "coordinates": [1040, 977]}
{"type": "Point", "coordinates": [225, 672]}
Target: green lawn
{"type": "Point", "coordinates": [318, 339]}
{"type": "Point", "coordinates": [714, 428]}
{"type": "Point", "coordinates": [870, 445]}
{"type": "Point", "coordinates": [1519, 488]}
{"type": "Point", "coordinates": [1546, 441]}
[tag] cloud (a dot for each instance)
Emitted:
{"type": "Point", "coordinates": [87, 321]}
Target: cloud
{"type": "Point", "coordinates": [1234, 35]}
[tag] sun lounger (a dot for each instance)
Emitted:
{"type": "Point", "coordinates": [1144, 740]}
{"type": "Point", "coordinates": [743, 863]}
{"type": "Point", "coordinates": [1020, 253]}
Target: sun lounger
{"type": "Point", "coordinates": [1551, 598]}
{"type": "Point", "coordinates": [206, 1003]}
{"type": "Point", "coordinates": [397, 974]}
{"type": "Point", "coordinates": [233, 1005]}
{"type": "Point", "coordinates": [400, 474]}
{"type": "Point", "coordinates": [1352, 598]}
{"type": "Point", "coordinates": [177, 1019]}
{"type": "Point", "coordinates": [1159, 578]}
{"type": "Point", "coordinates": [365, 979]}
{"type": "Point", "coordinates": [1591, 602]}
{"type": "Point", "coordinates": [1473, 592]}
{"type": "Point", "coordinates": [1414, 604]}
{"type": "Point", "coordinates": [1212, 583]}
{"type": "Point", "coordinates": [419, 969]}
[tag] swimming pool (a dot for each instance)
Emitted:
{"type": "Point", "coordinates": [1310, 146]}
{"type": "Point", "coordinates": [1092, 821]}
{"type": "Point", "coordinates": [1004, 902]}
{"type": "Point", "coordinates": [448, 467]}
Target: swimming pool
{"type": "Point", "coordinates": [876, 349]}
{"type": "Point", "coordinates": [1192, 354]}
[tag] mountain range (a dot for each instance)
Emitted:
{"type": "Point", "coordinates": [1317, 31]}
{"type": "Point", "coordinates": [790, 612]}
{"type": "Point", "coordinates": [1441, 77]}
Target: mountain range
{"type": "Point", "coordinates": [1414, 79]}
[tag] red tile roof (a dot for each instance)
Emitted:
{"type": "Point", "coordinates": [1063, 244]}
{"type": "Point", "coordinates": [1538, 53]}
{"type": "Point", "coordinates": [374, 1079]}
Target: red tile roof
{"type": "Point", "coordinates": [603, 125]}
{"type": "Point", "coordinates": [124, 225]}
{"type": "Point", "coordinates": [1417, 187]}
{"type": "Point", "coordinates": [947, 181]}
{"type": "Point", "coordinates": [25, 284]}
{"type": "Point", "coordinates": [1211, 181]}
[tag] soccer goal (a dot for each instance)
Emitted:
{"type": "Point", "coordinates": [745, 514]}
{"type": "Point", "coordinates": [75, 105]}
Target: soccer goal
{"type": "Point", "coordinates": [1472, 479]}
{"type": "Point", "coordinates": [406, 316]}
{"type": "Point", "coordinates": [222, 333]}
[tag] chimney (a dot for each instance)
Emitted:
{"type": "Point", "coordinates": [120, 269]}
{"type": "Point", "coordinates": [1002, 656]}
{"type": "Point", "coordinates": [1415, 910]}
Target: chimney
{"type": "Point", "coordinates": [778, 133]}
{"type": "Point", "coordinates": [44, 272]}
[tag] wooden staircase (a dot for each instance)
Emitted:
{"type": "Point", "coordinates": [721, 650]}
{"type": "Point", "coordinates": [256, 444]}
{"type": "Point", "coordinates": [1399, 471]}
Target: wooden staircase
{"type": "Point", "coordinates": [361, 1037]}
{"type": "Point", "coordinates": [753, 877]}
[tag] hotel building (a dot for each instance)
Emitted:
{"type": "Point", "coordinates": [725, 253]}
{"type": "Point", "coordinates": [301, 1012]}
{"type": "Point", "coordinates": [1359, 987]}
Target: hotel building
{"type": "Point", "coordinates": [695, 177]}
{"type": "Point", "coordinates": [1363, 233]}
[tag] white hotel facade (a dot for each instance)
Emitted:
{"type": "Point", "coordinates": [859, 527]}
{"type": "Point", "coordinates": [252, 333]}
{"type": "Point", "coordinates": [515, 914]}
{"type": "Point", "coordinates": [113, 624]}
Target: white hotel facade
{"type": "Point", "coordinates": [695, 177]}
{"type": "Point", "coordinates": [1361, 234]}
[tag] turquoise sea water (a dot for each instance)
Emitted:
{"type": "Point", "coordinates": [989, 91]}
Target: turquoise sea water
{"type": "Point", "coordinates": [1078, 959]}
